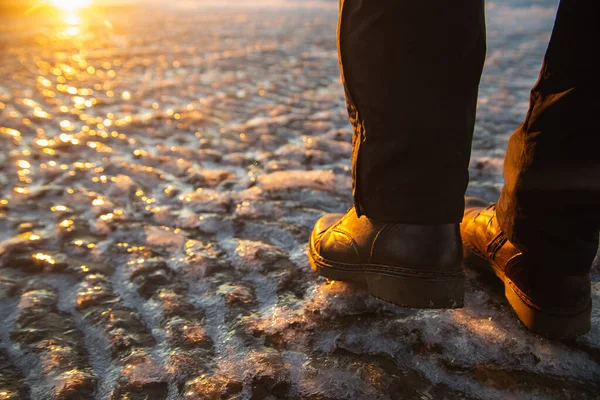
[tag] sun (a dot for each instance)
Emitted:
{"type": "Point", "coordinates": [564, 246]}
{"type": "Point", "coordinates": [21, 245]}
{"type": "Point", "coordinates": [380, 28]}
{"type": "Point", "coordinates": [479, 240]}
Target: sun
{"type": "Point", "coordinates": [71, 5]}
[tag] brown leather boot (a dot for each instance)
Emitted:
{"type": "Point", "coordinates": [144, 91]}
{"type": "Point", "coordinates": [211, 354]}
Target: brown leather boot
{"type": "Point", "coordinates": [408, 265]}
{"type": "Point", "coordinates": [552, 303]}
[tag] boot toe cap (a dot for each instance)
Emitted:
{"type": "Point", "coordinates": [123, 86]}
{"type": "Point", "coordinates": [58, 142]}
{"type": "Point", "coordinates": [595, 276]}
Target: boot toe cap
{"type": "Point", "coordinates": [325, 222]}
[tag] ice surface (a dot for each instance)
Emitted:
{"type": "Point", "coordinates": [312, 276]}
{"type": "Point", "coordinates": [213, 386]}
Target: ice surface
{"type": "Point", "coordinates": [153, 242]}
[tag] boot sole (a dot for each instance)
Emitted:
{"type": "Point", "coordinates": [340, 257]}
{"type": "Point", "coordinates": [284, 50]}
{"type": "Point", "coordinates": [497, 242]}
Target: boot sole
{"type": "Point", "coordinates": [554, 325]}
{"type": "Point", "coordinates": [401, 286]}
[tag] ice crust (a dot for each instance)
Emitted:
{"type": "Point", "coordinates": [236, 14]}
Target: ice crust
{"type": "Point", "coordinates": [174, 266]}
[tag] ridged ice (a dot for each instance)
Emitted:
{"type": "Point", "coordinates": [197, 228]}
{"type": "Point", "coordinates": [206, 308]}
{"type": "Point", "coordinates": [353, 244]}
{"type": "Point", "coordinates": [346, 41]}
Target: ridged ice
{"type": "Point", "coordinates": [161, 169]}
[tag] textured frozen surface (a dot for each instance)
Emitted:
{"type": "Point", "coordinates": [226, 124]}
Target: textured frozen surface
{"type": "Point", "coordinates": [159, 176]}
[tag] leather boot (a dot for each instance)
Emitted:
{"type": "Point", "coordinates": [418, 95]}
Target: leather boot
{"type": "Point", "coordinates": [409, 265]}
{"type": "Point", "coordinates": [547, 300]}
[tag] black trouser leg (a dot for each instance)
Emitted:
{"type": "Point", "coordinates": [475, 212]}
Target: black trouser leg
{"type": "Point", "coordinates": [411, 70]}
{"type": "Point", "coordinates": [550, 204]}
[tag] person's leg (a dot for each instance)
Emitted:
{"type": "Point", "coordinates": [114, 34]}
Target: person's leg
{"type": "Point", "coordinates": [542, 236]}
{"type": "Point", "coordinates": [552, 165]}
{"type": "Point", "coordinates": [411, 71]}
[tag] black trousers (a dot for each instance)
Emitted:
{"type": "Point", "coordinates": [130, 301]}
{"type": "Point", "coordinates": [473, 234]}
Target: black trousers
{"type": "Point", "coordinates": [411, 71]}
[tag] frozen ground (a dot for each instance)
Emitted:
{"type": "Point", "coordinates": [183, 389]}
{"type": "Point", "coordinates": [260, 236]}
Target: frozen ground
{"type": "Point", "coordinates": [159, 176]}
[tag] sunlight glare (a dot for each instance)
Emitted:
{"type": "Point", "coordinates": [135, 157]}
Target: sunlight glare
{"type": "Point", "coordinates": [71, 5]}
{"type": "Point", "coordinates": [72, 31]}
{"type": "Point", "coordinates": [72, 19]}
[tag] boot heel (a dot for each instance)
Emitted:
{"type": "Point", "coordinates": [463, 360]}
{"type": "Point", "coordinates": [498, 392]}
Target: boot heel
{"type": "Point", "coordinates": [418, 292]}
{"type": "Point", "coordinates": [554, 326]}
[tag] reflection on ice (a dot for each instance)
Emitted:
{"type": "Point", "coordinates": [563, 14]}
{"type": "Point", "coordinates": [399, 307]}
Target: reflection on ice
{"type": "Point", "coordinates": [161, 174]}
